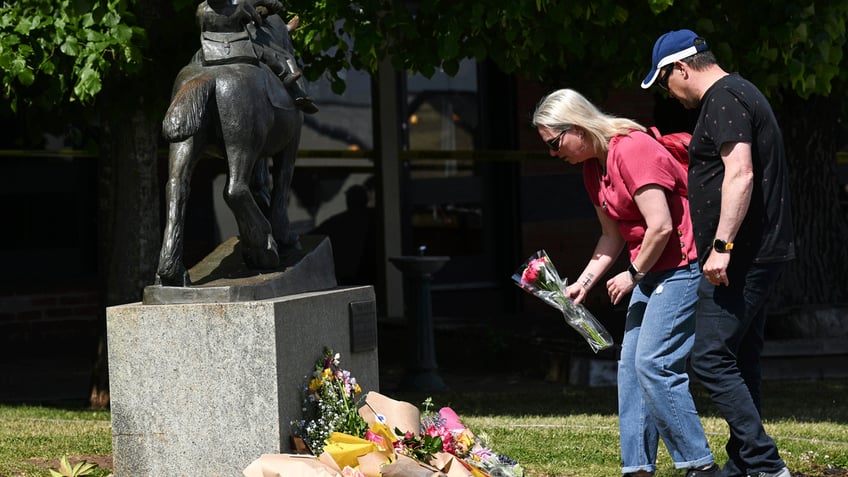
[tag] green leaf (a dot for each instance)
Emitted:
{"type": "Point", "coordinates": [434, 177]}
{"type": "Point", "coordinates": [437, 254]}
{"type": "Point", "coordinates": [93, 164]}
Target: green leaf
{"type": "Point", "coordinates": [800, 33]}
{"type": "Point", "coordinates": [47, 67]}
{"type": "Point", "coordinates": [87, 21]}
{"type": "Point", "coordinates": [24, 26]}
{"type": "Point", "coordinates": [88, 84]}
{"type": "Point", "coordinates": [94, 36]}
{"type": "Point", "coordinates": [26, 77]}
{"type": "Point", "coordinates": [70, 47]}
{"type": "Point", "coordinates": [111, 19]}
{"type": "Point", "coordinates": [122, 33]}
{"type": "Point", "coordinates": [11, 39]}
{"type": "Point", "coordinates": [451, 67]}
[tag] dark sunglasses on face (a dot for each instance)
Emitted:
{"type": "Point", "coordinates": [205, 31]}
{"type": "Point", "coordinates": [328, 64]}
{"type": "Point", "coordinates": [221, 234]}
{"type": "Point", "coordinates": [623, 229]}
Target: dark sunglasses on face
{"type": "Point", "coordinates": [664, 74]}
{"type": "Point", "coordinates": [553, 144]}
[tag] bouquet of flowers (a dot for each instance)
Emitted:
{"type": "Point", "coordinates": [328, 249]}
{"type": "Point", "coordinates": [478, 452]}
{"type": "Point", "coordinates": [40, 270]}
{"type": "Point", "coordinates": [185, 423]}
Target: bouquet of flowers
{"type": "Point", "coordinates": [474, 451]}
{"type": "Point", "coordinates": [386, 437]}
{"type": "Point", "coordinates": [539, 277]}
{"type": "Point", "coordinates": [424, 445]}
{"type": "Point", "coordinates": [442, 438]}
{"type": "Point", "coordinates": [330, 404]}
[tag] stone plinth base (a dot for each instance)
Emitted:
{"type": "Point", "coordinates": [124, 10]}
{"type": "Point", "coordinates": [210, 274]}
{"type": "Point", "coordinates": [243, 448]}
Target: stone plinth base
{"type": "Point", "coordinates": [204, 389]}
{"type": "Point", "coordinates": [223, 277]}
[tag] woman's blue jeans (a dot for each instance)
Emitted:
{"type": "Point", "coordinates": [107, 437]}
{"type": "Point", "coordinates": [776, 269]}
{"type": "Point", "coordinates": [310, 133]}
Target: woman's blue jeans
{"type": "Point", "coordinates": [654, 401]}
{"type": "Point", "coordinates": [726, 360]}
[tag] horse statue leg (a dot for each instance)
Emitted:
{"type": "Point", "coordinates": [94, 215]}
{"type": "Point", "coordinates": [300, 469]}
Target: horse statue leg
{"type": "Point", "coordinates": [260, 248]}
{"type": "Point", "coordinates": [283, 171]}
{"type": "Point", "coordinates": [182, 158]}
{"type": "Point", "coordinates": [261, 186]}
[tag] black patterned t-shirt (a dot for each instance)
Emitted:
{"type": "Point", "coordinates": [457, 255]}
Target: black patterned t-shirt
{"type": "Point", "coordinates": [734, 110]}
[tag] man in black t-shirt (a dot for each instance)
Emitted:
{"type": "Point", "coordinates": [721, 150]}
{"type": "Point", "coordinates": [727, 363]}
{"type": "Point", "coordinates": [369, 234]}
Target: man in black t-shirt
{"type": "Point", "coordinates": [739, 201]}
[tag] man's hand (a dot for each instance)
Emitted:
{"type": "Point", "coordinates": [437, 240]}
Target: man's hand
{"type": "Point", "coordinates": [619, 286]}
{"type": "Point", "coordinates": [715, 268]}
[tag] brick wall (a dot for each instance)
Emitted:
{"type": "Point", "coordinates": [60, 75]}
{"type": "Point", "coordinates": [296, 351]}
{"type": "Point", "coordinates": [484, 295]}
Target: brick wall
{"type": "Point", "coordinates": [53, 322]}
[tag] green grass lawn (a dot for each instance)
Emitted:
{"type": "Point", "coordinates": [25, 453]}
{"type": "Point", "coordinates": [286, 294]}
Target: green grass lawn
{"type": "Point", "coordinates": [557, 432]}
{"type": "Point", "coordinates": [34, 438]}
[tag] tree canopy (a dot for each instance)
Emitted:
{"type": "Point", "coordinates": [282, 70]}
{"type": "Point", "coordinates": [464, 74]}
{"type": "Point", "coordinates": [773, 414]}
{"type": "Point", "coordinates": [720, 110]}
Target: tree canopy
{"type": "Point", "coordinates": [781, 46]}
{"type": "Point", "coordinates": [63, 49]}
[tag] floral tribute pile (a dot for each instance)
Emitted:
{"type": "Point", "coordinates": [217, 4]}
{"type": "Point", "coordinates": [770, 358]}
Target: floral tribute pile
{"type": "Point", "coordinates": [538, 276]}
{"type": "Point", "coordinates": [349, 435]}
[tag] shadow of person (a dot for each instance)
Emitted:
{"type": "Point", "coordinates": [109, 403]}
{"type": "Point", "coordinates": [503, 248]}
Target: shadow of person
{"type": "Point", "coordinates": [353, 236]}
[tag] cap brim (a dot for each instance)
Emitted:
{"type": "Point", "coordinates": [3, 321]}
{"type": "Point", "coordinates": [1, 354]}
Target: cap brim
{"type": "Point", "coordinates": [649, 80]}
{"type": "Point", "coordinates": [652, 76]}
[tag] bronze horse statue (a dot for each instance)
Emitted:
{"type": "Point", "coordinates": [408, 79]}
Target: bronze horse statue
{"type": "Point", "coordinates": [243, 111]}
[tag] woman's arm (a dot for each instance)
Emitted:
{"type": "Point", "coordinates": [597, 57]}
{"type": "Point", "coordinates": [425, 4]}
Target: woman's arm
{"type": "Point", "coordinates": [653, 204]}
{"type": "Point", "coordinates": [609, 246]}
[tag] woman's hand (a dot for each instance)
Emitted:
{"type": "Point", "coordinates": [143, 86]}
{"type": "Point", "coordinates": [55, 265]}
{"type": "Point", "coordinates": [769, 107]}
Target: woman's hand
{"type": "Point", "coordinates": [619, 286]}
{"type": "Point", "coordinates": [576, 292]}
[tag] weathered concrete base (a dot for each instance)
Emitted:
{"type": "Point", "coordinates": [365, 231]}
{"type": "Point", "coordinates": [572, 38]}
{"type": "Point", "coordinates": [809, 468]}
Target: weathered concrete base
{"type": "Point", "coordinates": [204, 389]}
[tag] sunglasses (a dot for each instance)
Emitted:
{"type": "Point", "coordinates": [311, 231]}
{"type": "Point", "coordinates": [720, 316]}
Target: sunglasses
{"type": "Point", "coordinates": [553, 144]}
{"type": "Point", "coordinates": [664, 75]}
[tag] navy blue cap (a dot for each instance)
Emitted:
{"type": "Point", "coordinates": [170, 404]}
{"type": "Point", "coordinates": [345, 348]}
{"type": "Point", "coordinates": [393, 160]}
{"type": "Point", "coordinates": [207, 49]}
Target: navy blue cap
{"type": "Point", "coordinates": [672, 46]}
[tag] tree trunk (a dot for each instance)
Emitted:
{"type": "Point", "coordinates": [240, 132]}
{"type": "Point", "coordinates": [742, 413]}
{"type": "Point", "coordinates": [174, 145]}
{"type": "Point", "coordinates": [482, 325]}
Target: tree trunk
{"type": "Point", "coordinates": [817, 275]}
{"type": "Point", "coordinates": [129, 197]}
{"type": "Point", "coordinates": [128, 219]}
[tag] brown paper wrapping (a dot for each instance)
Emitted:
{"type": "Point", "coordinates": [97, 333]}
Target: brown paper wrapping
{"type": "Point", "coordinates": [450, 465]}
{"type": "Point", "coordinates": [408, 467]}
{"type": "Point", "coordinates": [371, 464]}
{"type": "Point", "coordinates": [289, 465]}
{"type": "Point", "coordinates": [397, 414]}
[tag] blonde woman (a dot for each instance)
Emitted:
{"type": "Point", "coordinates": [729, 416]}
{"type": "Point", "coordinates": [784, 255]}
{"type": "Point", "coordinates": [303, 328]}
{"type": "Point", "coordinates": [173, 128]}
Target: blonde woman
{"type": "Point", "coordinates": [639, 193]}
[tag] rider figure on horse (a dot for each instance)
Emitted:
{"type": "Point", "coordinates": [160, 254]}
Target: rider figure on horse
{"type": "Point", "coordinates": [230, 30]}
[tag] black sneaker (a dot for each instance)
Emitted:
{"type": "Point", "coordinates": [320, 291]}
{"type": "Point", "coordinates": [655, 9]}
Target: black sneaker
{"type": "Point", "coordinates": [784, 472]}
{"type": "Point", "coordinates": [712, 470]}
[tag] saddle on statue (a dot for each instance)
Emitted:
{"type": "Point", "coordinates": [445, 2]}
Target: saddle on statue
{"type": "Point", "coordinates": [226, 48]}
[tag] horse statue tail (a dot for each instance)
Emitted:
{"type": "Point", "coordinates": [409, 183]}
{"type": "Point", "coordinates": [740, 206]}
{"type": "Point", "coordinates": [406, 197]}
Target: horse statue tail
{"type": "Point", "coordinates": [187, 112]}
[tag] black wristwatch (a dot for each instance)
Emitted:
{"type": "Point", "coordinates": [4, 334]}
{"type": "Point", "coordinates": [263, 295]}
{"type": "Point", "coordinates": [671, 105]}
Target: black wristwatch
{"type": "Point", "coordinates": [635, 274]}
{"type": "Point", "coordinates": [721, 246]}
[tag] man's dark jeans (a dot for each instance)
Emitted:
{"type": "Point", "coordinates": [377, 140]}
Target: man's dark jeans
{"type": "Point", "coordinates": [729, 327]}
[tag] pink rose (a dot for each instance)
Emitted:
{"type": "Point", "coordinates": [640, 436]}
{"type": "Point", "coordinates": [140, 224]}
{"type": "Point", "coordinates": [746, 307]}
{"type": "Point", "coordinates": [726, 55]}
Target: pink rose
{"type": "Point", "coordinates": [373, 437]}
{"type": "Point", "coordinates": [531, 273]}
{"type": "Point", "coordinates": [444, 434]}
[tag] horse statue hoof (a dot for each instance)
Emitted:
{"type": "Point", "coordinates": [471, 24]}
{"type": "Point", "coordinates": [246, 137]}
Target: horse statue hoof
{"type": "Point", "coordinates": [263, 258]}
{"type": "Point", "coordinates": [291, 240]}
{"type": "Point", "coordinates": [178, 278]}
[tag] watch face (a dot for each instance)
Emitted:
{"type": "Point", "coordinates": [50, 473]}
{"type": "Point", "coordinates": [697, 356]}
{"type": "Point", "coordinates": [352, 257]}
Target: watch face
{"type": "Point", "coordinates": [720, 246]}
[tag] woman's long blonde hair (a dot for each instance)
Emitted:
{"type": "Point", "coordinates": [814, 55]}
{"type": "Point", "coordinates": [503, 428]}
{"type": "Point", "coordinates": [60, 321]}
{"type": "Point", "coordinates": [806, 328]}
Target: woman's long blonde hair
{"type": "Point", "coordinates": [565, 107]}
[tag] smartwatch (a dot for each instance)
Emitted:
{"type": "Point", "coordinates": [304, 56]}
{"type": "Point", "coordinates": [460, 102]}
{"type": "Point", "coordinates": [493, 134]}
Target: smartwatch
{"type": "Point", "coordinates": [634, 273]}
{"type": "Point", "coordinates": [721, 246]}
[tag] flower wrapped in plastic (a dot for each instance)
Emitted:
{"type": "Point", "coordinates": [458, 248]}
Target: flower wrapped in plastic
{"type": "Point", "coordinates": [539, 277]}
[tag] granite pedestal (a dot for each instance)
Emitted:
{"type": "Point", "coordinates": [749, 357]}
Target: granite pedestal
{"type": "Point", "coordinates": [206, 388]}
